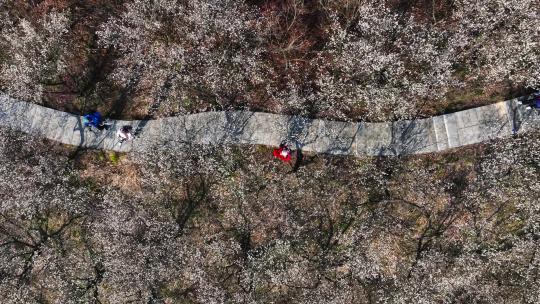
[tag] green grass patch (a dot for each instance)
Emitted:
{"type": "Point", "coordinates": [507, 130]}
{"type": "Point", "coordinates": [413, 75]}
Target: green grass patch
{"type": "Point", "coordinates": [113, 157]}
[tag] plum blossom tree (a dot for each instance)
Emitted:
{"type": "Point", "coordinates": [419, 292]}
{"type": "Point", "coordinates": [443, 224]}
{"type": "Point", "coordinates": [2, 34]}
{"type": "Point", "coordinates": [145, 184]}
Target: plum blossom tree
{"type": "Point", "coordinates": [35, 54]}
{"type": "Point", "coordinates": [213, 225]}
{"type": "Point", "coordinates": [41, 208]}
{"type": "Point", "coordinates": [338, 231]}
{"type": "Point", "coordinates": [342, 59]}
{"type": "Point", "coordinates": [393, 64]}
{"type": "Point", "coordinates": [184, 55]}
{"type": "Point", "coordinates": [491, 250]}
{"type": "Point", "coordinates": [498, 41]}
{"type": "Point", "coordinates": [384, 62]}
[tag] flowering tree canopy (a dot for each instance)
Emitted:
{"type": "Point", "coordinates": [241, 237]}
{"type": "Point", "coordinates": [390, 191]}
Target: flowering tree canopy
{"type": "Point", "coordinates": [368, 60]}
{"type": "Point", "coordinates": [204, 224]}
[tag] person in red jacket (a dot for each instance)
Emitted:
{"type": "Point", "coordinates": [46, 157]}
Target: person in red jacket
{"type": "Point", "coordinates": [283, 153]}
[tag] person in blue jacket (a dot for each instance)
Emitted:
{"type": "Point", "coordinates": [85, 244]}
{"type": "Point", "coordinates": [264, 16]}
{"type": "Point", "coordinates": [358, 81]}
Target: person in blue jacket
{"type": "Point", "coordinates": [534, 102]}
{"type": "Point", "coordinates": [93, 119]}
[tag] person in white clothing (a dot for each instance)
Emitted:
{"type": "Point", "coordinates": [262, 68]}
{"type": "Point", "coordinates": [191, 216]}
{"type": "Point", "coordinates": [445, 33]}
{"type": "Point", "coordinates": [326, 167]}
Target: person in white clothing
{"type": "Point", "coordinates": [125, 134]}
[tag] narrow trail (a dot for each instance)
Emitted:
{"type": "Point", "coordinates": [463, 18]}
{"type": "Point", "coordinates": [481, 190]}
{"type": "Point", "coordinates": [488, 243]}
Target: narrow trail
{"type": "Point", "coordinates": [405, 137]}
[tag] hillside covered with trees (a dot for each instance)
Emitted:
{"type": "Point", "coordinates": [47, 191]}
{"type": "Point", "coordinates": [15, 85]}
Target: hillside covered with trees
{"type": "Point", "coordinates": [340, 59]}
{"type": "Point", "coordinates": [184, 223]}
{"type": "Point", "coordinates": [232, 225]}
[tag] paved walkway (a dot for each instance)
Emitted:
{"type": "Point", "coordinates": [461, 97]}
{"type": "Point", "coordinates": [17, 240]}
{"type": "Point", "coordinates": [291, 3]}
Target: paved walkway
{"type": "Point", "coordinates": [434, 134]}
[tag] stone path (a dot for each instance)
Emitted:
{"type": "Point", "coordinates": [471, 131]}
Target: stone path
{"type": "Point", "coordinates": [434, 134]}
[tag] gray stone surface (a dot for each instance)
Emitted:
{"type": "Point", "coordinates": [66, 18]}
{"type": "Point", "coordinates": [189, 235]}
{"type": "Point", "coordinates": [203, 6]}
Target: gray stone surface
{"type": "Point", "coordinates": [452, 130]}
{"type": "Point", "coordinates": [493, 121]}
{"type": "Point", "coordinates": [206, 128]}
{"type": "Point", "coordinates": [434, 134]}
{"type": "Point", "coordinates": [441, 135]}
{"type": "Point", "coordinates": [17, 115]}
{"type": "Point", "coordinates": [174, 129]}
{"type": "Point", "coordinates": [147, 133]}
{"type": "Point", "coordinates": [374, 139]}
{"type": "Point", "coordinates": [264, 129]}
{"type": "Point", "coordinates": [335, 137]}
